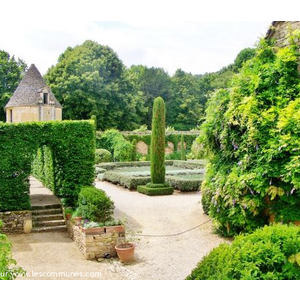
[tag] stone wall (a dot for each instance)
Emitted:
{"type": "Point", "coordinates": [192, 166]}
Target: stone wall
{"type": "Point", "coordinates": [280, 30]}
{"type": "Point", "coordinates": [16, 221]}
{"type": "Point", "coordinates": [98, 244]}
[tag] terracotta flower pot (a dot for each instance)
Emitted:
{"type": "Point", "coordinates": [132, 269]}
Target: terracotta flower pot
{"type": "Point", "coordinates": [125, 252]}
{"type": "Point", "coordinates": [68, 216]}
{"type": "Point", "coordinates": [77, 220]}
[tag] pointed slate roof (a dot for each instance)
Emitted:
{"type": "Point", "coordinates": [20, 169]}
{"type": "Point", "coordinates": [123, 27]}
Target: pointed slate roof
{"type": "Point", "coordinates": [28, 93]}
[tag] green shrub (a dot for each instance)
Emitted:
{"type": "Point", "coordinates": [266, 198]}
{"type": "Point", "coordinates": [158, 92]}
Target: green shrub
{"type": "Point", "coordinates": [176, 155]}
{"type": "Point", "coordinates": [197, 150]}
{"type": "Point", "coordinates": [95, 205]}
{"type": "Point", "coordinates": [182, 148]}
{"type": "Point", "coordinates": [269, 253]}
{"type": "Point", "coordinates": [113, 141]}
{"type": "Point", "coordinates": [123, 151]}
{"type": "Point", "coordinates": [251, 134]}
{"type": "Point", "coordinates": [65, 161]}
{"type": "Point", "coordinates": [155, 191]}
{"type": "Point", "coordinates": [8, 270]}
{"type": "Point", "coordinates": [102, 156]}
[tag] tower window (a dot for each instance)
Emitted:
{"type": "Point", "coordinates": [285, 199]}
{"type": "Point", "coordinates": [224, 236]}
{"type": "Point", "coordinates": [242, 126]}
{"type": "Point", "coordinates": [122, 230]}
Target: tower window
{"type": "Point", "coordinates": [46, 98]}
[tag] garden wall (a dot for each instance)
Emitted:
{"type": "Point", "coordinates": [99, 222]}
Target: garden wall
{"type": "Point", "coordinates": [16, 222]}
{"type": "Point", "coordinates": [142, 140]}
{"type": "Point", "coordinates": [98, 244]}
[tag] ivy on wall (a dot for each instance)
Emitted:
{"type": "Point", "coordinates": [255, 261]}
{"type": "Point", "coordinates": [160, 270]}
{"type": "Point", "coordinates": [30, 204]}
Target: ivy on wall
{"type": "Point", "coordinates": [61, 154]}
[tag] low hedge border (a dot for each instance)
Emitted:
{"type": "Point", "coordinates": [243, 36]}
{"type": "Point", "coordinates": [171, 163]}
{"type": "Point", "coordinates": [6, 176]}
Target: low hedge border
{"type": "Point", "coordinates": [151, 191]}
{"type": "Point", "coordinates": [127, 181]}
{"type": "Point", "coordinates": [131, 182]}
{"type": "Point", "coordinates": [184, 185]}
{"type": "Point", "coordinates": [198, 164]}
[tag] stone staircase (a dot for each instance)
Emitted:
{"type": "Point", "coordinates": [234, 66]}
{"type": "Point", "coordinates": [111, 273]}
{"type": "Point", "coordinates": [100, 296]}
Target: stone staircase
{"type": "Point", "coordinates": [46, 218]}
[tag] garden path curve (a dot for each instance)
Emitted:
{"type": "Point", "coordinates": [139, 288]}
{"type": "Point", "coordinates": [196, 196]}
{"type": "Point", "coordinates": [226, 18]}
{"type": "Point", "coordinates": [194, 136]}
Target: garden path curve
{"type": "Point", "coordinates": [171, 257]}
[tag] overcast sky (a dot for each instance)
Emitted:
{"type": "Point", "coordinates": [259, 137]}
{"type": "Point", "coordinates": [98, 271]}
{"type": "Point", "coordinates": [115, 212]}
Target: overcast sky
{"type": "Point", "coordinates": [195, 47]}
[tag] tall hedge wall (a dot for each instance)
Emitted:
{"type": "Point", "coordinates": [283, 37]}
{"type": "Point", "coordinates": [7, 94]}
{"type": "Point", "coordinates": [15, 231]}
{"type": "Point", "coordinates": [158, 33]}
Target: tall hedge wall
{"type": "Point", "coordinates": [61, 154]}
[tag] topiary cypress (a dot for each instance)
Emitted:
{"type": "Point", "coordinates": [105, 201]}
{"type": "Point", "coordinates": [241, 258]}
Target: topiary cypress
{"type": "Point", "coordinates": [157, 150]}
{"type": "Point", "coordinates": [182, 150]}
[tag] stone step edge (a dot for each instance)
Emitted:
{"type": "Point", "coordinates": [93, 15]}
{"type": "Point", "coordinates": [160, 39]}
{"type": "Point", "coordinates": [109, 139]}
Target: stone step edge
{"type": "Point", "coordinates": [50, 211]}
{"type": "Point", "coordinates": [49, 223]}
{"type": "Point", "coordinates": [38, 217]}
{"type": "Point", "coordinates": [47, 229]}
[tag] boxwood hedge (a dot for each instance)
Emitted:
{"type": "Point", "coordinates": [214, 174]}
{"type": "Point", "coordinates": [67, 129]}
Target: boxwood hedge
{"type": "Point", "coordinates": [63, 155]}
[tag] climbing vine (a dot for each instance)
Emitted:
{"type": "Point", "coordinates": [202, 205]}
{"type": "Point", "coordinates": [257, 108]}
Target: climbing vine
{"type": "Point", "coordinates": [252, 137]}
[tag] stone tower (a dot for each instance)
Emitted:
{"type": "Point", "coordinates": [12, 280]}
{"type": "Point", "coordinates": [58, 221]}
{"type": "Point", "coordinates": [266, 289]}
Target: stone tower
{"type": "Point", "coordinates": [33, 100]}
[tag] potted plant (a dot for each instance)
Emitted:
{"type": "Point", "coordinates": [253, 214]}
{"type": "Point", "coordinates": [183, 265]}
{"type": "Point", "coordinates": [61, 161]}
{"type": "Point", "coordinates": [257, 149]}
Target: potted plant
{"type": "Point", "coordinates": [77, 216]}
{"type": "Point", "coordinates": [68, 213]}
{"type": "Point", "coordinates": [125, 249]}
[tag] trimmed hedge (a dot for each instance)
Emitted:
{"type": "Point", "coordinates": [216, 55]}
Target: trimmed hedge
{"type": "Point", "coordinates": [132, 182]}
{"type": "Point", "coordinates": [126, 180]}
{"type": "Point", "coordinates": [151, 191]}
{"type": "Point", "coordinates": [269, 253]}
{"type": "Point", "coordinates": [133, 138]}
{"type": "Point", "coordinates": [95, 205]}
{"type": "Point", "coordinates": [184, 185]}
{"type": "Point", "coordinates": [64, 163]}
{"type": "Point", "coordinates": [157, 149]}
{"type": "Point", "coordinates": [102, 156]}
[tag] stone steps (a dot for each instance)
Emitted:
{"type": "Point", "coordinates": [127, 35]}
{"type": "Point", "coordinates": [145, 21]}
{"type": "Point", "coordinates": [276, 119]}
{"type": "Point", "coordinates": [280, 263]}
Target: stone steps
{"type": "Point", "coordinates": [50, 229]}
{"type": "Point", "coordinates": [40, 218]}
{"type": "Point", "coordinates": [49, 217]}
{"type": "Point", "coordinates": [46, 206]}
{"type": "Point", "coordinates": [49, 223]}
{"type": "Point", "coordinates": [45, 212]}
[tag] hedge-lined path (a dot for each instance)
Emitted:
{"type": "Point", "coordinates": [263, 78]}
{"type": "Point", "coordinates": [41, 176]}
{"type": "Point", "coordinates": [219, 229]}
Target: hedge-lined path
{"type": "Point", "coordinates": [171, 257]}
{"type": "Point", "coordinates": [40, 195]}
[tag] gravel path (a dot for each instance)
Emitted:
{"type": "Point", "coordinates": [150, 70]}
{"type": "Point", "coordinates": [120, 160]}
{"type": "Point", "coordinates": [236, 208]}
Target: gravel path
{"type": "Point", "coordinates": [170, 257]}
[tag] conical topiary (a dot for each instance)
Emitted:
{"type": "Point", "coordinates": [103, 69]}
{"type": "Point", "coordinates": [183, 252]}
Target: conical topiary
{"type": "Point", "coordinates": [157, 153]}
{"type": "Point", "coordinates": [182, 149]}
{"type": "Point", "coordinates": [157, 150]}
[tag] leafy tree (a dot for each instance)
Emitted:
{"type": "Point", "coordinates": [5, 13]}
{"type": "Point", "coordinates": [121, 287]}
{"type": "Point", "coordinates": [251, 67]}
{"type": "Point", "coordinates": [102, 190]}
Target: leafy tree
{"type": "Point", "coordinates": [11, 72]}
{"type": "Point", "coordinates": [152, 83]}
{"type": "Point", "coordinates": [90, 79]}
{"type": "Point", "coordinates": [243, 56]}
{"type": "Point", "coordinates": [186, 108]}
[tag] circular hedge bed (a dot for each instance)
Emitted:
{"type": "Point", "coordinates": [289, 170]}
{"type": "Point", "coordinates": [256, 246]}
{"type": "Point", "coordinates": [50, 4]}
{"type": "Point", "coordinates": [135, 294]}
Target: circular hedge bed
{"type": "Point", "coordinates": [269, 253]}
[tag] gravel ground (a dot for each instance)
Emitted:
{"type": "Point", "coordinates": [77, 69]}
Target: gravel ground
{"type": "Point", "coordinates": [171, 257]}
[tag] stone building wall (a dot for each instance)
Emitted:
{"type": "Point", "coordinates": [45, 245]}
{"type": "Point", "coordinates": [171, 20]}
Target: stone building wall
{"type": "Point", "coordinates": [33, 114]}
{"type": "Point", "coordinates": [16, 222]}
{"type": "Point", "coordinates": [280, 30]}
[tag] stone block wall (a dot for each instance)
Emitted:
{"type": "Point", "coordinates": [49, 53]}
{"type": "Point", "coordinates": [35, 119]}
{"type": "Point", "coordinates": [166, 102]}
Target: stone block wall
{"type": "Point", "coordinates": [96, 245]}
{"type": "Point", "coordinates": [280, 31]}
{"type": "Point", "coordinates": [16, 222]}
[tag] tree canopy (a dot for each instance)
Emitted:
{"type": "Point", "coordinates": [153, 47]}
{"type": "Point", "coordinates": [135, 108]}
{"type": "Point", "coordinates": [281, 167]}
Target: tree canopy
{"type": "Point", "coordinates": [90, 79]}
{"type": "Point", "coordinates": [11, 72]}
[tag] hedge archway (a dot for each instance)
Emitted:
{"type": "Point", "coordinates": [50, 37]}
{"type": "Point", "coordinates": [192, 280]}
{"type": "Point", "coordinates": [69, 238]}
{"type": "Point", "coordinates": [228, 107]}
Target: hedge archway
{"type": "Point", "coordinates": [60, 154]}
